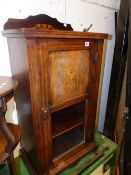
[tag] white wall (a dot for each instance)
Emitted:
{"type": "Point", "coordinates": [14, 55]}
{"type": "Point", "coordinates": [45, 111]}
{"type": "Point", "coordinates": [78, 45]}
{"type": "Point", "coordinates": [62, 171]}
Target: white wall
{"type": "Point", "coordinates": [79, 13]}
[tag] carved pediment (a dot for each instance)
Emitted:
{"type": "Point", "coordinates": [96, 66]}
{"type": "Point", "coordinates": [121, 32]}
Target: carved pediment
{"type": "Point", "coordinates": [41, 21]}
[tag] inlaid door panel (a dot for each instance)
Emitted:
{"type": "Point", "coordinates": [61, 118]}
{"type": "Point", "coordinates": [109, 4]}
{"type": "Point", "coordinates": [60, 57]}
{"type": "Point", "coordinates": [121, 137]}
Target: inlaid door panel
{"type": "Point", "coordinates": [68, 75]}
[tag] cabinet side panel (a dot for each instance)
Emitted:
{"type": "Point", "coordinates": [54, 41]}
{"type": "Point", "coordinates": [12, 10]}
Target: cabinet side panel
{"type": "Point", "coordinates": [101, 82]}
{"type": "Point", "coordinates": [19, 69]}
{"type": "Point", "coordinates": [93, 90]}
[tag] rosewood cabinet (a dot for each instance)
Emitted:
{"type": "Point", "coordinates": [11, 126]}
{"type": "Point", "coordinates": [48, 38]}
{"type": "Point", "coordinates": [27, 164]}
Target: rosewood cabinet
{"type": "Point", "coordinates": [59, 74]}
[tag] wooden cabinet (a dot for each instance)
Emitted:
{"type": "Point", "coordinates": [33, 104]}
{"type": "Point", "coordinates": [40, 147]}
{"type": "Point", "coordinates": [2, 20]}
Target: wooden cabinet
{"type": "Point", "coordinates": [59, 74]}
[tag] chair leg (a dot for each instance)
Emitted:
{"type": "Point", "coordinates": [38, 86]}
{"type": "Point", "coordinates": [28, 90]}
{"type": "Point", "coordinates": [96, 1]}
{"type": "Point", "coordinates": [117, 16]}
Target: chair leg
{"type": "Point", "coordinates": [11, 164]}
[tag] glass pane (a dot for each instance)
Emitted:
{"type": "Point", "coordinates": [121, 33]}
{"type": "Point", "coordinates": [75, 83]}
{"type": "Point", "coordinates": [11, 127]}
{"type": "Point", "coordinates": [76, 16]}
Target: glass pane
{"type": "Point", "coordinates": [68, 141]}
{"type": "Point", "coordinates": [68, 128]}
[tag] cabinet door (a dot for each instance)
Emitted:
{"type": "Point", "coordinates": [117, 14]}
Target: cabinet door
{"type": "Point", "coordinates": [68, 71]}
{"type": "Point", "coordinates": [70, 67]}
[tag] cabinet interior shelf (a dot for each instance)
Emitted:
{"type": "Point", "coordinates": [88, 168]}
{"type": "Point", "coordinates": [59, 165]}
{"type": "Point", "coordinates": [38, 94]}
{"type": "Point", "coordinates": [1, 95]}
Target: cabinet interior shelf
{"type": "Point", "coordinates": [62, 124]}
{"type": "Point", "coordinates": [67, 119]}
